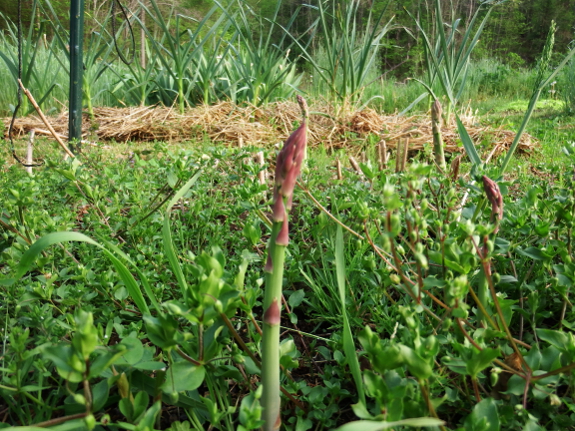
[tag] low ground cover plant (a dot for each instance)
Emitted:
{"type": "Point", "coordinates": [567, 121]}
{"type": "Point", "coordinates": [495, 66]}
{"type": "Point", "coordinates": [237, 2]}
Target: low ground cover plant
{"type": "Point", "coordinates": [157, 290]}
{"type": "Point", "coordinates": [450, 313]}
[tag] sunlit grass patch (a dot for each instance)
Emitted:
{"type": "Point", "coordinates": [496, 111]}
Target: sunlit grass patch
{"type": "Point", "coordinates": [521, 105]}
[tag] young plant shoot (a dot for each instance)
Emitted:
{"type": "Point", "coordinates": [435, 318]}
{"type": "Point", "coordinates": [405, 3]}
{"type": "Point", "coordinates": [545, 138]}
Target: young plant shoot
{"type": "Point", "coordinates": [288, 167]}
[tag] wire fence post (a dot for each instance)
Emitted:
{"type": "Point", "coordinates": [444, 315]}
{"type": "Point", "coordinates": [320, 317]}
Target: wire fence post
{"type": "Point", "coordinates": [29, 152]}
{"type": "Point", "coordinates": [76, 71]}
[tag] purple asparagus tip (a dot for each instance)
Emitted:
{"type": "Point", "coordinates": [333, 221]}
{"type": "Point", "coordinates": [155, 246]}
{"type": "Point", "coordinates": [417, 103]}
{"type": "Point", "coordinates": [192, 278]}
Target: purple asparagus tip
{"type": "Point", "coordinates": [288, 168]}
{"type": "Point", "coordinates": [495, 198]}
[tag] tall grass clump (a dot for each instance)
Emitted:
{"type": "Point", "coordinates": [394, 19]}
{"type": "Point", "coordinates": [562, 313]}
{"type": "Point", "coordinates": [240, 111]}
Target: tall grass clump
{"type": "Point", "coordinates": [489, 77]}
{"type": "Point", "coordinates": [133, 83]}
{"type": "Point", "coordinates": [348, 52]}
{"type": "Point", "coordinates": [392, 95]}
{"type": "Point", "coordinates": [41, 72]}
{"type": "Point", "coordinates": [447, 55]}
{"type": "Point", "coordinates": [7, 91]}
{"type": "Point", "coordinates": [177, 50]}
{"type": "Point", "coordinates": [257, 69]}
{"type": "Point", "coordinates": [96, 60]}
{"type": "Point", "coordinates": [45, 66]}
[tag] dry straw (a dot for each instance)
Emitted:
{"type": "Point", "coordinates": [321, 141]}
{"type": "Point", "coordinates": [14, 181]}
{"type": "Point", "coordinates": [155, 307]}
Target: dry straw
{"type": "Point", "coordinates": [233, 125]}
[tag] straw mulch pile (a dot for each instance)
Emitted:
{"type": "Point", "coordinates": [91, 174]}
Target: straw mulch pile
{"type": "Point", "coordinates": [233, 125]}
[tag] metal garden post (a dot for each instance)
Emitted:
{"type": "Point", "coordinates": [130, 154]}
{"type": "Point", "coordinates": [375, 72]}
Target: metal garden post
{"type": "Point", "coordinates": [76, 70]}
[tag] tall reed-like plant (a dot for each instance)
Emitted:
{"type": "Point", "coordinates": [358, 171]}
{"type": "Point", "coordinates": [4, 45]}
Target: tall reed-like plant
{"type": "Point", "coordinates": [40, 71]}
{"type": "Point", "coordinates": [210, 65]}
{"type": "Point", "coordinates": [135, 83]}
{"type": "Point", "coordinates": [179, 46]}
{"type": "Point", "coordinates": [568, 87]}
{"type": "Point", "coordinates": [542, 80]}
{"type": "Point", "coordinates": [258, 70]}
{"type": "Point", "coordinates": [447, 54]}
{"type": "Point", "coordinates": [96, 60]}
{"type": "Point", "coordinates": [351, 48]}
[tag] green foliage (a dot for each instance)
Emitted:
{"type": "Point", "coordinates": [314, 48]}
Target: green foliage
{"type": "Point", "coordinates": [348, 342]}
{"type": "Point", "coordinates": [567, 86]}
{"type": "Point", "coordinates": [232, 53]}
{"type": "Point", "coordinates": [38, 60]}
{"type": "Point", "coordinates": [410, 287]}
{"type": "Point", "coordinates": [132, 289]}
{"type": "Point", "coordinates": [447, 57]}
{"type": "Point", "coordinates": [259, 70]}
{"type": "Point", "coordinates": [176, 51]}
{"type": "Point", "coordinates": [542, 80]}
{"type": "Point", "coordinates": [349, 49]}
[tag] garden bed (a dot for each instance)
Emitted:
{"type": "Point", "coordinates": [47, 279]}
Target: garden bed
{"type": "Point", "coordinates": [260, 126]}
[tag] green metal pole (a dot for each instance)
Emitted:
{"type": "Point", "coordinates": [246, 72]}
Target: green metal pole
{"type": "Point", "coordinates": [76, 70]}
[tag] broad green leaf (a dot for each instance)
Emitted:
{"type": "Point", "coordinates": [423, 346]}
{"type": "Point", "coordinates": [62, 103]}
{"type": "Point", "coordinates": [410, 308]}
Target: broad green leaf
{"type": "Point", "coordinates": [481, 360]}
{"type": "Point", "coordinates": [367, 171]}
{"type": "Point", "coordinates": [359, 409]}
{"type": "Point", "coordinates": [105, 359]}
{"type": "Point", "coordinates": [161, 330]}
{"type": "Point", "coordinates": [35, 249]}
{"type": "Point", "coordinates": [376, 426]}
{"type": "Point", "coordinates": [484, 417]}
{"type": "Point", "coordinates": [555, 338]}
{"type": "Point", "coordinates": [456, 365]}
{"type": "Point", "coordinates": [183, 376]}
{"type": "Point", "coordinates": [534, 253]}
{"type": "Point", "coordinates": [433, 281]}
{"type": "Point", "coordinates": [126, 408]}
{"type": "Point", "coordinates": [134, 350]}
{"type": "Point", "coordinates": [507, 279]}
{"type": "Point", "coordinates": [296, 298]}
{"type": "Point", "coordinates": [100, 392]}
{"type": "Point", "coordinates": [149, 419]}
{"type": "Point", "coordinates": [139, 404]}
{"type": "Point", "coordinates": [141, 381]}
{"type": "Point", "coordinates": [515, 386]}
{"type": "Point", "coordinates": [417, 366]}
{"type": "Point", "coordinates": [532, 425]}
{"type": "Point", "coordinates": [533, 358]}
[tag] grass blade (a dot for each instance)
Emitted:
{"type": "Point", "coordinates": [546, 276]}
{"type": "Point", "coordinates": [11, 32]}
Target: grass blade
{"type": "Point", "coordinates": [530, 109]}
{"type": "Point", "coordinates": [167, 236]}
{"type": "Point", "coordinates": [348, 344]}
{"type": "Point", "coordinates": [383, 425]}
{"type": "Point", "coordinates": [143, 279]}
{"type": "Point", "coordinates": [468, 144]}
{"type": "Point", "coordinates": [32, 253]}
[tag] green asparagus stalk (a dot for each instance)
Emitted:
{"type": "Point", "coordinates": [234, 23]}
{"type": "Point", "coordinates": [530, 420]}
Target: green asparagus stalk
{"type": "Point", "coordinates": [288, 167]}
